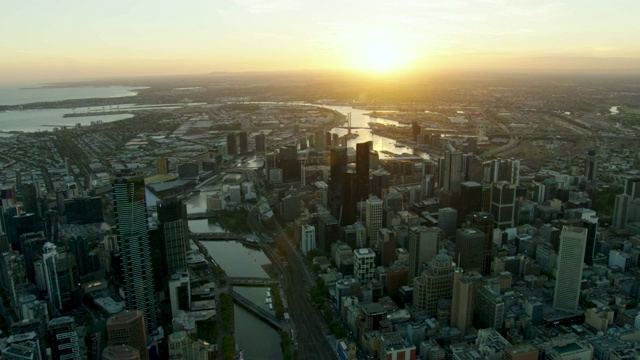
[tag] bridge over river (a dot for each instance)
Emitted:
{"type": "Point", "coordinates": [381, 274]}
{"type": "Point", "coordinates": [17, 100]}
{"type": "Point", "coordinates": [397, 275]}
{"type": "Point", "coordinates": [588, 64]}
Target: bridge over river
{"type": "Point", "coordinates": [225, 237]}
{"type": "Point", "coordinates": [255, 309]}
{"type": "Point", "coordinates": [251, 281]}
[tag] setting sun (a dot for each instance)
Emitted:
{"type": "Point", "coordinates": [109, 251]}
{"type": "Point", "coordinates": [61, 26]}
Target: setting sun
{"type": "Point", "coordinates": [382, 56]}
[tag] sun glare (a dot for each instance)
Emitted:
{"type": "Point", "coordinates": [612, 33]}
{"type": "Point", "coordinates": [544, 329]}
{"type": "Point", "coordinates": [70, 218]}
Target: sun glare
{"type": "Point", "coordinates": [380, 57]}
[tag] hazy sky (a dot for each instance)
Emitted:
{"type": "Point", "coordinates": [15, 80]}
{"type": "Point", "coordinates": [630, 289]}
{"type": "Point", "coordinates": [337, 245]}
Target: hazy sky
{"type": "Point", "coordinates": [74, 39]}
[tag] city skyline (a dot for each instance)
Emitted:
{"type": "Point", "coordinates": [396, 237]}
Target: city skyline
{"type": "Point", "coordinates": [95, 40]}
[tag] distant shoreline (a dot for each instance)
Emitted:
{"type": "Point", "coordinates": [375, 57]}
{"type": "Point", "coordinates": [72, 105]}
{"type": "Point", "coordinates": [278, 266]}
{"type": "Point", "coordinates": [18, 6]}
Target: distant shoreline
{"type": "Point", "coordinates": [67, 86]}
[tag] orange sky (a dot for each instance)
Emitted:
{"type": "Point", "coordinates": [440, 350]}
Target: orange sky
{"type": "Point", "coordinates": [73, 39]}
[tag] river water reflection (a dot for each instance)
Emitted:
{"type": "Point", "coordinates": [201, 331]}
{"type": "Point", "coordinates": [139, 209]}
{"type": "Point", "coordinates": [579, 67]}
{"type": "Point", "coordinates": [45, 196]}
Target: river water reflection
{"type": "Point", "coordinates": [258, 339]}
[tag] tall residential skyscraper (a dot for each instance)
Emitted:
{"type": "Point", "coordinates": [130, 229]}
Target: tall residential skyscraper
{"type": "Point", "coordinates": [63, 339]}
{"type": "Point", "coordinates": [128, 328]}
{"type": "Point", "coordinates": [433, 284]}
{"type": "Point", "coordinates": [363, 151]}
{"type": "Point", "coordinates": [373, 214]}
{"type": "Point", "coordinates": [573, 242]}
{"type": "Point", "coordinates": [172, 214]}
{"type": "Point", "coordinates": [423, 246]}
{"type": "Point", "coordinates": [135, 251]}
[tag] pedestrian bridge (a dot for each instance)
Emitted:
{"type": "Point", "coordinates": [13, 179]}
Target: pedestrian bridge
{"type": "Point", "coordinates": [251, 281]}
{"type": "Point", "coordinates": [260, 312]}
{"type": "Point", "coordinates": [216, 236]}
{"type": "Point", "coordinates": [226, 237]}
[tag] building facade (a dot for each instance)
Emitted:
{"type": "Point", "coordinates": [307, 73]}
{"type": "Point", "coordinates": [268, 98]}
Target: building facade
{"type": "Point", "coordinates": [135, 250]}
{"type": "Point", "coordinates": [566, 295]}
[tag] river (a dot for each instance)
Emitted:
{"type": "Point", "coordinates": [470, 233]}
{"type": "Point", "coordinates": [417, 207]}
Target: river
{"type": "Point", "coordinates": [380, 143]}
{"type": "Point", "coordinates": [258, 339]}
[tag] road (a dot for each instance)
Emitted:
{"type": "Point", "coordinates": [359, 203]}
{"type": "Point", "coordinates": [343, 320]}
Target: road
{"type": "Point", "coordinates": [309, 325]}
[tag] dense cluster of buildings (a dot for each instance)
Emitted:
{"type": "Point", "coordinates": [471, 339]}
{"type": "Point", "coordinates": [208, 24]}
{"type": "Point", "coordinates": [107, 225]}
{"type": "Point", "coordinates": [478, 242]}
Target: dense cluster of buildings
{"type": "Point", "coordinates": [457, 256]}
{"type": "Point", "coordinates": [473, 259]}
{"type": "Point", "coordinates": [53, 265]}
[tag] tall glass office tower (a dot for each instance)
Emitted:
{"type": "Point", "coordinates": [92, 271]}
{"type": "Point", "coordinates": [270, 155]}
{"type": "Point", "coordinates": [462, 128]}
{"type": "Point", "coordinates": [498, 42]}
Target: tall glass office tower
{"type": "Point", "coordinates": [135, 251]}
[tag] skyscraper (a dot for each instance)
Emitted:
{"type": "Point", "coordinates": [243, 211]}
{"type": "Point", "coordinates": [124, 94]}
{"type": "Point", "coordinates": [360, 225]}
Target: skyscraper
{"type": "Point", "coordinates": [483, 221]}
{"type": "Point", "coordinates": [380, 182]}
{"type": "Point", "coordinates": [423, 246]}
{"type": "Point", "coordinates": [128, 328]}
{"type": "Point", "coordinates": [447, 220]}
{"type": "Point", "coordinates": [503, 197]}
{"type": "Point", "coordinates": [244, 142]}
{"type": "Point", "coordinates": [591, 224]}
{"type": "Point", "coordinates": [288, 162]}
{"type": "Point", "coordinates": [632, 187]}
{"type": "Point", "coordinates": [452, 171]}
{"type": "Point", "coordinates": [173, 223]}
{"type": "Point", "coordinates": [373, 213]}
{"type": "Point", "coordinates": [621, 211]}
{"type": "Point", "coordinates": [261, 144]}
{"type": "Point", "coordinates": [591, 166]}
{"type": "Point", "coordinates": [501, 170]}
{"type": "Point", "coordinates": [232, 147]}
{"type": "Point", "coordinates": [133, 241]}
{"type": "Point", "coordinates": [433, 284]}
{"type": "Point", "coordinates": [416, 129]}
{"type": "Point", "coordinates": [463, 298]}
{"type": "Point", "coordinates": [573, 242]}
{"type": "Point", "coordinates": [470, 246]}
{"type": "Point", "coordinates": [307, 238]}
{"type": "Point", "coordinates": [338, 168]}
{"type": "Point", "coordinates": [490, 307]}
{"type": "Point", "coordinates": [60, 276]}
{"type": "Point", "coordinates": [470, 198]}
{"type": "Point", "coordinates": [363, 151]}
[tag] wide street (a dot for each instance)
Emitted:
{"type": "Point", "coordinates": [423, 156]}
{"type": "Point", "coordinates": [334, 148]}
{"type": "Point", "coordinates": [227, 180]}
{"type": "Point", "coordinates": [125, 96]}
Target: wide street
{"type": "Point", "coordinates": [310, 328]}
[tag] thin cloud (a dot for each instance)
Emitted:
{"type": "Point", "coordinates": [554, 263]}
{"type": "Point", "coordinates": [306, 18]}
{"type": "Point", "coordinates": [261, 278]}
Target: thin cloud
{"type": "Point", "coordinates": [268, 6]}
